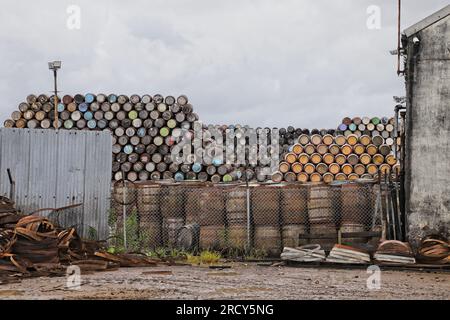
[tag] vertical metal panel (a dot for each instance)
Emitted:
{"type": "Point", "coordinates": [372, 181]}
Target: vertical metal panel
{"type": "Point", "coordinates": [15, 155]}
{"type": "Point", "coordinates": [70, 175]}
{"type": "Point", "coordinates": [97, 188]}
{"type": "Point", "coordinates": [55, 169]}
{"type": "Point", "coordinates": [43, 159]}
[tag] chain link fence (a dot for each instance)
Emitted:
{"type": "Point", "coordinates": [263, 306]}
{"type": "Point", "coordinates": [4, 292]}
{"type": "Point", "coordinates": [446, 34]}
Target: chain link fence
{"type": "Point", "coordinates": [243, 220]}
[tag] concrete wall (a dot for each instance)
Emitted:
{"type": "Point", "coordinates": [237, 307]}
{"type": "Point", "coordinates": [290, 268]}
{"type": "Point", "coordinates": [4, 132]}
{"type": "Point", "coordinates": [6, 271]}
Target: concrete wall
{"type": "Point", "coordinates": [427, 162]}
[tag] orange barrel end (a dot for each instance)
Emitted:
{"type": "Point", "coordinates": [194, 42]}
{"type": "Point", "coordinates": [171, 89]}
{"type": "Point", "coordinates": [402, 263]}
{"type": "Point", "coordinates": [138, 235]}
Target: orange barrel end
{"type": "Point", "coordinates": [303, 158]}
{"type": "Point", "coordinates": [316, 158]}
{"type": "Point", "coordinates": [340, 159]}
{"type": "Point", "coordinates": [334, 168]}
{"type": "Point", "coordinates": [346, 149]}
{"type": "Point", "coordinates": [347, 169]}
{"type": "Point", "coordinates": [302, 177]}
{"type": "Point", "coordinates": [371, 149]}
{"type": "Point", "coordinates": [334, 149]}
{"type": "Point", "coordinates": [328, 158]}
{"type": "Point", "coordinates": [309, 168]}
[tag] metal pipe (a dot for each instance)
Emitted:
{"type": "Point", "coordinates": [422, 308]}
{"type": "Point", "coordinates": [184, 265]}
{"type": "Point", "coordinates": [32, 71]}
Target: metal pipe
{"type": "Point", "coordinates": [397, 110]}
{"type": "Point", "coordinates": [399, 36]}
{"type": "Point", "coordinates": [55, 123]}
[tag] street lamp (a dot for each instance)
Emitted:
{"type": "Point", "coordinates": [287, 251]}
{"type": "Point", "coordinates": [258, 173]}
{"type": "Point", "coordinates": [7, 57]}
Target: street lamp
{"type": "Point", "coordinates": [55, 65]}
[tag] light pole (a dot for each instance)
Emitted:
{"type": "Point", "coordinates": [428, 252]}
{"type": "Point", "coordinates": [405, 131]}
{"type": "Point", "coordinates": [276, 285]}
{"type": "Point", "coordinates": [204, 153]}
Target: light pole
{"type": "Point", "coordinates": [55, 65]}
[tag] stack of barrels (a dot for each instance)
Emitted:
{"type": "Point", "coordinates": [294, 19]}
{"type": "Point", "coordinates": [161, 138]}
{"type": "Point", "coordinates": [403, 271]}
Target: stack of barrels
{"type": "Point", "coordinates": [369, 126]}
{"type": "Point", "coordinates": [356, 209]}
{"type": "Point", "coordinates": [172, 212]}
{"type": "Point", "coordinates": [294, 214]}
{"type": "Point", "coordinates": [236, 214]}
{"type": "Point", "coordinates": [212, 218]}
{"type": "Point", "coordinates": [327, 158]}
{"type": "Point", "coordinates": [149, 213]}
{"type": "Point", "coordinates": [145, 128]}
{"type": "Point", "coordinates": [321, 212]}
{"type": "Point", "coordinates": [265, 207]}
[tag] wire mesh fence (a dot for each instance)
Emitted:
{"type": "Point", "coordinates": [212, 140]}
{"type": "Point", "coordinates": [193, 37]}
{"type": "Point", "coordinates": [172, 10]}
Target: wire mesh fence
{"type": "Point", "coordinates": [238, 219]}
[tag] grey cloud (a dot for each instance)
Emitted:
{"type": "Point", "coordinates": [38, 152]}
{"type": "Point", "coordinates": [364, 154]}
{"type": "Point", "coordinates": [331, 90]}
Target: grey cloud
{"type": "Point", "coordinates": [265, 63]}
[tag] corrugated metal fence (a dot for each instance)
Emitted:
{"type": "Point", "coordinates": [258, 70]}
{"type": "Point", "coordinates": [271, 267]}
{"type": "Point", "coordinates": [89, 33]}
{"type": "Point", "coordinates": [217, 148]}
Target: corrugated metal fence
{"type": "Point", "coordinates": [58, 168]}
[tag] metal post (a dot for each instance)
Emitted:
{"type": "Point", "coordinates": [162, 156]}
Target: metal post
{"type": "Point", "coordinates": [124, 214]}
{"type": "Point", "coordinates": [248, 218]}
{"type": "Point", "coordinates": [56, 125]}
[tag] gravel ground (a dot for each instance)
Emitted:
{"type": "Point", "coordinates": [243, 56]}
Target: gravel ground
{"type": "Point", "coordinates": [242, 281]}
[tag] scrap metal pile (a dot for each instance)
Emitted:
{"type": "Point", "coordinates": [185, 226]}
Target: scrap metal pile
{"type": "Point", "coordinates": [34, 246]}
{"type": "Point", "coordinates": [433, 250]}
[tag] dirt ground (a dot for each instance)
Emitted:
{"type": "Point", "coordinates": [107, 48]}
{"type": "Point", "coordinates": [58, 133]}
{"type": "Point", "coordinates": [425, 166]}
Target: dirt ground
{"type": "Point", "coordinates": [242, 281]}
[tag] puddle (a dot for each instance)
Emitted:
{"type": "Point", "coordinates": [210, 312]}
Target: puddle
{"type": "Point", "coordinates": [158, 272]}
{"type": "Point", "coordinates": [9, 293]}
{"type": "Point", "coordinates": [242, 290]}
{"type": "Point", "coordinates": [218, 273]}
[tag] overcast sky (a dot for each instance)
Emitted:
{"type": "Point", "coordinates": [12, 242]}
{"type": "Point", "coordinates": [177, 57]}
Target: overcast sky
{"type": "Point", "coordinates": [260, 62]}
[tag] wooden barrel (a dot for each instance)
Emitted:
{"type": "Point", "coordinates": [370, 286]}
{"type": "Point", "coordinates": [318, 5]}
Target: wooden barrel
{"type": "Point", "coordinates": [268, 240]}
{"type": "Point", "coordinates": [347, 168]}
{"type": "Point", "coordinates": [322, 229]}
{"type": "Point", "coordinates": [303, 139]}
{"type": "Point", "coordinates": [328, 158]}
{"type": "Point", "coordinates": [237, 236]}
{"type": "Point", "coordinates": [170, 231]}
{"type": "Point", "coordinates": [320, 210]}
{"type": "Point", "coordinates": [213, 237]}
{"type": "Point", "coordinates": [316, 139]}
{"type": "Point", "coordinates": [334, 149]}
{"type": "Point", "coordinates": [309, 168]}
{"type": "Point", "coordinates": [365, 140]}
{"type": "Point", "coordinates": [192, 192]}
{"type": "Point", "coordinates": [371, 149]}
{"type": "Point", "coordinates": [340, 159]}
{"type": "Point", "coordinates": [265, 205]}
{"type": "Point", "coordinates": [302, 177]}
{"type": "Point", "coordinates": [346, 149]}
{"type": "Point", "coordinates": [390, 160]}
{"type": "Point", "coordinates": [372, 169]}
{"type": "Point", "coordinates": [322, 168]}
{"type": "Point", "coordinates": [328, 139]}
{"type": "Point", "coordinates": [310, 149]}
{"type": "Point", "coordinates": [365, 158]}
{"type": "Point", "coordinates": [284, 167]}
{"type": "Point", "coordinates": [236, 207]}
{"type": "Point", "coordinates": [150, 233]}
{"type": "Point", "coordinates": [290, 158]}
{"type": "Point", "coordinates": [296, 168]}
{"type": "Point", "coordinates": [147, 199]}
{"type": "Point", "coordinates": [334, 168]}
{"type": "Point", "coordinates": [124, 193]}
{"type": "Point", "coordinates": [378, 159]}
{"type": "Point", "coordinates": [294, 208]}
{"type": "Point", "coordinates": [212, 207]}
{"type": "Point", "coordinates": [291, 235]}
{"type": "Point", "coordinates": [340, 140]}
{"type": "Point", "coordinates": [189, 237]}
{"type": "Point", "coordinates": [356, 207]}
{"type": "Point", "coordinates": [172, 202]}
{"type": "Point", "coordinates": [297, 149]}
{"type": "Point", "coordinates": [328, 177]}
{"type": "Point", "coordinates": [303, 158]}
{"type": "Point", "coordinates": [316, 158]}
{"type": "Point", "coordinates": [315, 177]}
{"type": "Point", "coordinates": [352, 227]}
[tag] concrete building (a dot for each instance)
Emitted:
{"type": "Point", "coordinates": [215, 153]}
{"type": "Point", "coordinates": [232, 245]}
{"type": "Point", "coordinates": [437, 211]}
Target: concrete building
{"type": "Point", "coordinates": [427, 161]}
